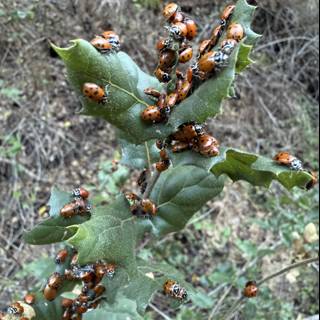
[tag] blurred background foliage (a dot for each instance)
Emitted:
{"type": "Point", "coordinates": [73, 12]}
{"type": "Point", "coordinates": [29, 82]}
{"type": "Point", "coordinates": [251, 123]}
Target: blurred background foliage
{"type": "Point", "coordinates": [246, 233]}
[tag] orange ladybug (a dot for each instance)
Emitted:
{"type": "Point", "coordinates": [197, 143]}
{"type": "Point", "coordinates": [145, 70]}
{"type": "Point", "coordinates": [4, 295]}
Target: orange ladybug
{"type": "Point", "coordinates": [187, 132]}
{"type": "Point", "coordinates": [180, 147]}
{"type": "Point", "coordinates": [179, 30]}
{"type": "Point", "coordinates": [66, 315]}
{"type": "Point", "coordinates": [186, 55]}
{"type": "Point", "coordinates": [152, 92]}
{"type": "Point", "coordinates": [310, 185]}
{"type": "Point", "coordinates": [235, 31]}
{"type": "Point", "coordinates": [76, 207]}
{"type": "Point", "coordinates": [111, 35]}
{"type": "Point", "coordinates": [228, 45]}
{"type": "Point", "coordinates": [94, 92]}
{"type": "Point", "coordinates": [251, 289]}
{"type": "Point", "coordinates": [215, 36]}
{"type": "Point", "coordinates": [149, 207]}
{"type": "Point", "coordinates": [164, 154]}
{"type": "Point", "coordinates": [162, 76]}
{"type": "Point", "coordinates": [81, 192]}
{"type": "Point", "coordinates": [173, 289]}
{"type": "Point", "coordinates": [167, 59]}
{"type": "Point", "coordinates": [50, 293]}
{"type": "Point", "coordinates": [61, 256]}
{"type": "Point", "coordinates": [163, 44]}
{"type": "Point", "coordinates": [163, 165]}
{"type": "Point", "coordinates": [227, 13]}
{"type": "Point", "coordinates": [184, 90]}
{"type": "Point", "coordinates": [29, 298]}
{"type": "Point", "coordinates": [171, 99]}
{"type": "Point", "coordinates": [286, 159]}
{"type": "Point", "coordinates": [151, 114]}
{"type": "Point", "coordinates": [99, 290]}
{"type": "Point", "coordinates": [177, 17]}
{"type": "Point", "coordinates": [55, 280]}
{"type": "Point", "coordinates": [102, 44]}
{"type": "Point", "coordinates": [110, 270]}
{"type": "Point", "coordinates": [207, 62]}
{"type": "Point", "coordinates": [15, 308]}
{"type": "Point", "coordinates": [191, 29]}
{"type": "Point", "coordinates": [207, 146]}
{"type": "Point", "coordinates": [169, 10]}
{"type": "Point", "coordinates": [204, 46]}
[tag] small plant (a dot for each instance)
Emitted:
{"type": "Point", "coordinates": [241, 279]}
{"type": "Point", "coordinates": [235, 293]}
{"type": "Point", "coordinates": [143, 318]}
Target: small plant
{"type": "Point", "coordinates": [160, 124]}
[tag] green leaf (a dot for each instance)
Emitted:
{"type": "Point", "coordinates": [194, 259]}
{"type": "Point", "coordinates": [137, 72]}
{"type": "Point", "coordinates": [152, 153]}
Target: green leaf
{"type": "Point", "coordinates": [45, 309]}
{"type": "Point", "coordinates": [206, 101]}
{"type": "Point", "coordinates": [53, 230]}
{"type": "Point", "coordinates": [123, 80]}
{"type": "Point", "coordinates": [181, 191]}
{"type": "Point", "coordinates": [58, 199]}
{"type": "Point", "coordinates": [257, 170]}
{"type": "Point", "coordinates": [136, 156]}
{"type": "Point", "coordinates": [123, 309]}
{"type": "Point", "coordinates": [109, 235]}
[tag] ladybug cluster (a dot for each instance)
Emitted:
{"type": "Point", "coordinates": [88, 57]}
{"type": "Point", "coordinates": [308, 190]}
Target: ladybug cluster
{"type": "Point", "coordinates": [78, 206]}
{"type": "Point", "coordinates": [251, 289]}
{"type": "Point", "coordinates": [173, 50]}
{"type": "Point", "coordinates": [210, 60]}
{"type": "Point", "coordinates": [90, 275]}
{"type": "Point", "coordinates": [173, 289]}
{"type": "Point", "coordinates": [142, 208]}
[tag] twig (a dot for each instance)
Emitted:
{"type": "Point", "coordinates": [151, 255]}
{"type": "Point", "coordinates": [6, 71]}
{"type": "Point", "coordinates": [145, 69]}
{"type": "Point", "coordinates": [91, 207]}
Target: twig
{"type": "Point", "coordinates": [152, 182]}
{"type": "Point", "coordinates": [163, 315]}
{"type": "Point", "coordinates": [239, 303]}
{"type": "Point", "coordinates": [148, 155]}
{"type": "Point", "coordinates": [220, 302]}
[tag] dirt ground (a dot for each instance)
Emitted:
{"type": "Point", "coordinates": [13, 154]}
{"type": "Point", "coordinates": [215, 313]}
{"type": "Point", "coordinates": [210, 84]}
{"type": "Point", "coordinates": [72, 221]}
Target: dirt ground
{"type": "Point", "coordinates": [44, 142]}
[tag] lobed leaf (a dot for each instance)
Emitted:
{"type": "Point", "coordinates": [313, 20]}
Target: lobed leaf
{"type": "Point", "coordinates": [109, 235]}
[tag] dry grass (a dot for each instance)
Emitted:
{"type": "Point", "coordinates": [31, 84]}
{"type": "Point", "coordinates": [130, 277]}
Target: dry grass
{"type": "Point", "coordinates": [277, 99]}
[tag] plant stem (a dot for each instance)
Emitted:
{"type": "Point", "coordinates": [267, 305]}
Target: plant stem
{"type": "Point", "coordinates": [152, 182]}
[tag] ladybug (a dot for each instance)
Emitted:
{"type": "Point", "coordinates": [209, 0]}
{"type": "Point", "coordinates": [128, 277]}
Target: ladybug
{"type": "Point", "coordinates": [148, 206]}
{"type": "Point", "coordinates": [204, 46]}
{"type": "Point", "coordinates": [180, 147]}
{"type": "Point", "coordinates": [81, 193]}
{"type": "Point", "coordinates": [207, 146]}
{"type": "Point", "coordinates": [228, 45]}
{"type": "Point", "coordinates": [61, 256]}
{"type": "Point", "coordinates": [76, 207]}
{"type": "Point", "coordinates": [16, 308]}
{"type": "Point", "coordinates": [161, 103]}
{"type": "Point", "coordinates": [100, 270]}
{"type": "Point", "coordinates": [186, 55]}
{"type": "Point", "coordinates": [286, 159]}
{"type": "Point", "coordinates": [179, 30]}
{"type": "Point", "coordinates": [189, 75]}
{"type": "Point", "coordinates": [111, 36]}
{"type": "Point", "coordinates": [99, 290]}
{"type": "Point", "coordinates": [235, 31]}
{"type": "Point", "coordinates": [169, 10]}
{"type": "Point", "coordinates": [94, 92]}
{"type": "Point", "coordinates": [162, 76]}
{"type": "Point", "coordinates": [187, 132]}
{"type": "Point", "coordinates": [163, 165]}
{"type": "Point", "coordinates": [159, 144]}
{"type": "Point", "coordinates": [313, 182]}
{"type": "Point", "coordinates": [207, 62]}
{"type": "Point", "coordinates": [86, 276]}
{"type": "Point", "coordinates": [167, 59]}
{"type": "Point", "coordinates": [215, 36]}
{"type": "Point", "coordinates": [69, 275]}
{"type": "Point", "coordinates": [66, 315]}
{"type": "Point", "coordinates": [66, 303]}
{"type": "Point", "coordinates": [164, 154]}
{"type": "Point", "coordinates": [49, 293]}
{"type": "Point", "coordinates": [83, 298]}
{"type": "Point", "coordinates": [152, 114]}
{"type": "Point", "coordinates": [184, 90]}
{"type": "Point", "coordinates": [220, 58]}
{"type": "Point", "coordinates": [192, 29]}
{"type": "Point", "coordinates": [251, 290]}
{"type": "Point", "coordinates": [152, 92]}
{"type": "Point", "coordinates": [55, 280]}
{"type": "Point", "coordinates": [29, 298]}
{"type": "Point", "coordinates": [227, 13]}
{"type": "Point", "coordinates": [163, 44]}
{"type": "Point", "coordinates": [173, 289]}
{"type": "Point", "coordinates": [171, 99]}
{"type": "Point", "coordinates": [102, 44]}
